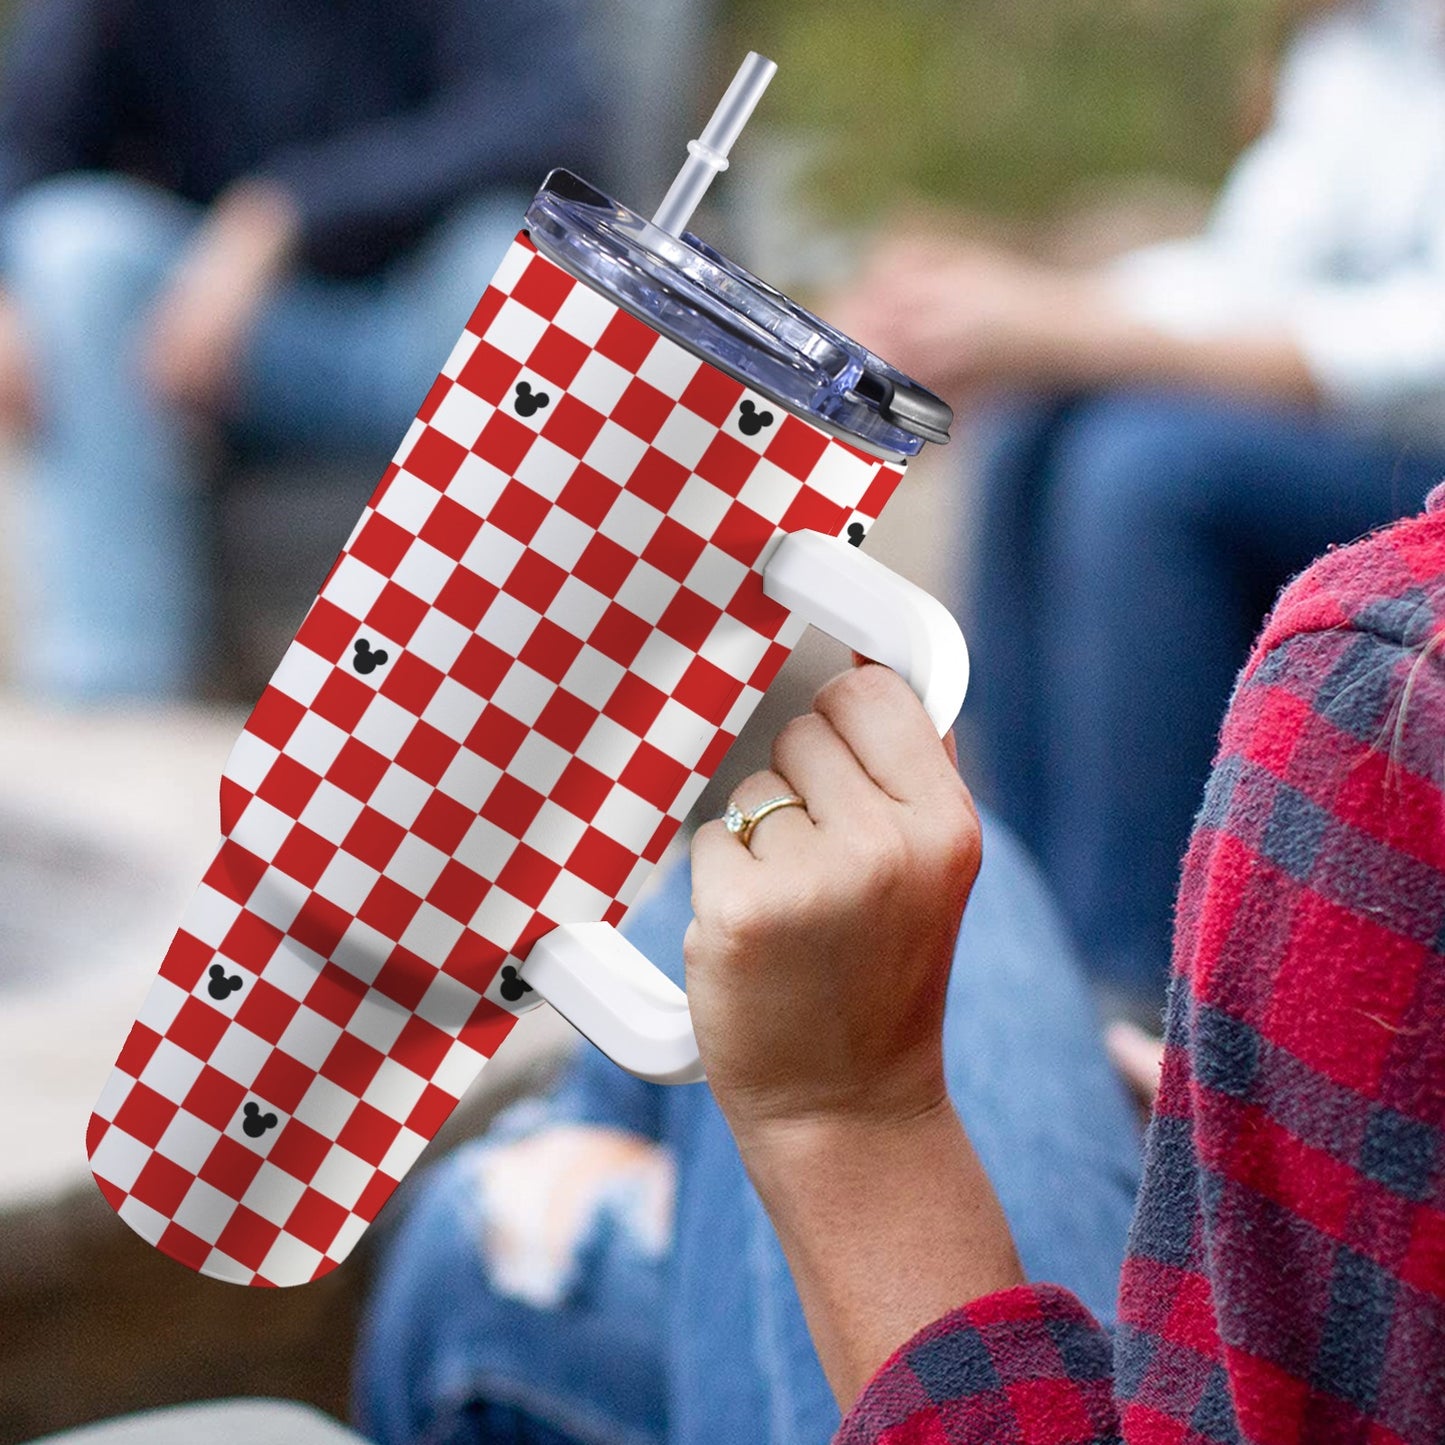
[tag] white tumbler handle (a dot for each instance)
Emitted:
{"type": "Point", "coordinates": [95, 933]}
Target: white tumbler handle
{"type": "Point", "coordinates": [603, 986]}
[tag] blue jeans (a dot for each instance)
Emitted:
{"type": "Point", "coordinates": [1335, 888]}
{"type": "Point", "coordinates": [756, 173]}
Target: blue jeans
{"type": "Point", "coordinates": [1128, 548]}
{"type": "Point", "coordinates": [114, 555]}
{"type": "Point", "coordinates": [703, 1340]}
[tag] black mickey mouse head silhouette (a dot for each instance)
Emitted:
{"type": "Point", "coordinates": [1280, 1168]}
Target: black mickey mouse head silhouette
{"type": "Point", "coordinates": [220, 986]}
{"type": "Point", "coordinates": [256, 1123]}
{"type": "Point", "coordinates": [528, 400]}
{"type": "Point", "coordinates": [513, 986]}
{"type": "Point", "coordinates": [855, 534]}
{"type": "Point", "coordinates": [367, 659]}
{"type": "Point", "coordinates": [752, 421]}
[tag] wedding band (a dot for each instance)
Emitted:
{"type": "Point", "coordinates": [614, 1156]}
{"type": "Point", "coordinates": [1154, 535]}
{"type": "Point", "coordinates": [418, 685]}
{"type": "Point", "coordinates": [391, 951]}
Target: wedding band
{"type": "Point", "coordinates": [742, 824]}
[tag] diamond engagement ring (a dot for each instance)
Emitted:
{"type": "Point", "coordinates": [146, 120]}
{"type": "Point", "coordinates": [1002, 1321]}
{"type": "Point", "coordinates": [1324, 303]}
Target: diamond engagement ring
{"type": "Point", "coordinates": [742, 824]}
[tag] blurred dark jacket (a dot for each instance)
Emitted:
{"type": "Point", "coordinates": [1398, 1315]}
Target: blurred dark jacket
{"type": "Point", "coordinates": [377, 114]}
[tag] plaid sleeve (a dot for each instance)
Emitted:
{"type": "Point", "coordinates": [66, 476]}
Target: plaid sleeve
{"type": "Point", "coordinates": [1025, 1365]}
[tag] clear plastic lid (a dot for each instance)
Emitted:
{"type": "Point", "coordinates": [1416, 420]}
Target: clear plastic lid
{"type": "Point", "coordinates": [697, 297]}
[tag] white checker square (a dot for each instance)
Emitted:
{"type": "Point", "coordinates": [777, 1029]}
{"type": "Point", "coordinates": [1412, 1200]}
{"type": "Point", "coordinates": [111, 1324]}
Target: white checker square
{"type": "Point", "coordinates": [680, 733]}
{"type": "Point", "coordinates": [662, 661]}
{"type": "Point", "coordinates": [325, 1107]}
{"type": "Point", "coordinates": [261, 1115]}
{"type": "Point", "coordinates": [439, 640]}
{"type": "Point", "coordinates": [205, 1211]}
{"type": "Point", "coordinates": [278, 899]}
{"type": "Point", "coordinates": [384, 726]}
{"type": "Point", "coordinates": [273, 1194]}
{"type": "Point", "coordinates": [369, 641]}
{"type": "Point", "coordinates": [354, 587]}
{"type": "Point", "coordinates": [631, 522]}
{"type": "Point", "coordinates": [700, 506]}
{"type": "Point", "coordinates": [469, 779]}
{"type": "Point", "coordinates": [734, 647]}
{"type": "Point", "coordinates": [408, 501]}
{"type": "Point", "coordinates": [113, 1094]}
{"type": "Point", "coordinates": [405, 1150]}
{"type": "Point", "coordinates": [507, 624]}
{"type": "Point", "coordinates": [669, 368]}
{"type": "Point", "coordinates": [342, 1176]}
{"type": "Point", "coordinates": [608, 747]}
{"type": "Point", "coordinates": [492, 554]}
{"type": "Point", "coordinates": [163, 1001]}
{"type": "Point", "coordinates": [523, 694]}
{"type": "Point", "coordinates": [423, 571]}
{"type": "Point", "coordinates": [539, 762]}
{"type": "Point", "coordinates": [378, 1021]}
{"type": "Point", "coordinates": [593, 677]}
{"type": "Point", "coordinates": [742, 710]}
{"type": "Point", "coordinates": [416, 865]}
{"type": "Point", "coordinates": [447, 1004]}
{"type": "Point", "coordinates": [762, 409]}
{"type": "Point", "coordinates": [453, 709]}
{"type": "Point", "coordinates": [330, 812]}
{"type": "Point", "coordinates": [546, 468]}
{"type": "Point", "coordinates": [627, 818]}
{"type": "Point", "coordinates": [842, 477]}
{"type": "Point", "coordinates": [301, 674]}
{"type": "Point", "coordinates": [171, 1071]}
{"type": "Point", "coordinates": [561, 539]}
{"type": "Point", "coordinates": [460, 354]}
{"type": "Point", "coordinates": [224, 986]}
{"type": "Point", "coordinates": [600, 382]}
{"type": "Point", "coordinates": [584, 314]}
{"type": "Point", "coordinates": [460, 415]}
{"type": "Point", "coordinates": [716, 576]}
{"type": "Point", "coordinates": [347, 881]}
{"type": "Point", "coordinates": [476, 485]}
{"type": "Point", "coordinates": [515, 330]}
{"type": "Point", "coordinates": [400, 796]}
{"type": "Point", "coordinates": [119, 1159]}
{"type": "Point", "coordinates": [362, 951]}
{"type": "Point", "coordinates": [149, 1223]}
{"type": "Point", "coordinates": [577, 607]}
{"type": "Point", "coordinates": [408, 441]}
{"type": "Point", "coordinates": [290, 1260]}
{"type": "Point", "coordinates": [395, 1089]}
{"type": "Point", "coordinates": [769, 490]}
{"type": "Point", "coordinates": [570, 900]}
{"type": "Point", "coordinates": [684, 436]}
{"type": "Point", "coordinates": [615, 452]}
{"type": "Point", "coordinates": [251, 760]}
{"type": "Point", "coordinates": [457, 1069]}
{"type": "Point", "coordinates": [309, 1037]}
{"type": "Point", "coordinates": [315, 743]}
{"type": "Point", "coordinates": [513, 264]}
{"type": "Point", "coordinates": [646, 591]}
{"type": "Point", "coordinates": [352, 1228]}
{"type": "Point", "coordinates": [500, 918]}
{"type": "Point", "coordinates": [239, 1055]}
{"type": "Point", "coordinates": [554, 832]}
{"type": "Point", "coordinates": [689, 793]}
{"type": "Point", "coordinates": [485, 849]}
{"type": "Point", "coordinates": [293, 969]}
{"type": "Point", "coordinates": [431, 934]}
{"type": "Point", "coordinates": [210, 914]}
{"type": "Point", "coordinates": [636, 881]}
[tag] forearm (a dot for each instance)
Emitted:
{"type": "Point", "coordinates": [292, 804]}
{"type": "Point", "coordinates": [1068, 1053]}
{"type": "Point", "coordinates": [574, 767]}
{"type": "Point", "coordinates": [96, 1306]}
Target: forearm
{"type": "Point", "coordinates": [885, 1229]}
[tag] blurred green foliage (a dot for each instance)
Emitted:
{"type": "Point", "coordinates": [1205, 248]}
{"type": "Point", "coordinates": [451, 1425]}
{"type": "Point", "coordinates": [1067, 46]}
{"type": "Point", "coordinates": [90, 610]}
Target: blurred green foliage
{"type": "Point", "coordinates": [1008, 106]}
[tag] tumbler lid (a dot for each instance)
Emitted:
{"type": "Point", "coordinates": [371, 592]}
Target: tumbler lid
{"type": "Point", "coordinates": [693, 294]}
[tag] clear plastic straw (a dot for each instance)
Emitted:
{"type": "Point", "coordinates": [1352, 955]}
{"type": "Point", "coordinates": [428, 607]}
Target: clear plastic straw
{"type": "Point", "coordinates": [708, 155]}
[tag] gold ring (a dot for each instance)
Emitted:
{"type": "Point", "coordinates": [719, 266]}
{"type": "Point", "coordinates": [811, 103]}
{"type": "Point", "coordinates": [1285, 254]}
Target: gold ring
{"type": "Point", "coordinates": [742, 824]}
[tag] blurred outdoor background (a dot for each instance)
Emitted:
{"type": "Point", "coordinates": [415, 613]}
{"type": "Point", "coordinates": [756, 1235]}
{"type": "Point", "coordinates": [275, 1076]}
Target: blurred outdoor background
{"type": "Point", "coordinates": [1072, 129]}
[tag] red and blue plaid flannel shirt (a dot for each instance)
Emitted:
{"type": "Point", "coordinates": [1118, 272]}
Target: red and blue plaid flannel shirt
{"type": "Point", "coordinates": [1285, 1282]}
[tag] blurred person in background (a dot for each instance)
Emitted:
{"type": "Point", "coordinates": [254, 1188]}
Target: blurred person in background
{"type": "Point", "coordinates": [264, 223]}
{"type": "Point", "coordinates": [1166, 441]}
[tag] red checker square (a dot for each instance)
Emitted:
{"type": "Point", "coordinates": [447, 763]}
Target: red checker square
{"type": "Point", "coordinates": [1049, 1410]}
{"type": "Point", "coordinates": [488, 1028]}
{"type": "Point", "coordinates": [601, 861]}
{"type": "Point", "coordinates": [657, 479]}
{"type": "Point", "coordinates": [879, 491]}
{"type": "Point", "coordinates": [357, 769]}
{"type": "Point", "coordinates": [397, 613]}
{"type": "Point", "coordinates": [389, 908]}
{"type": "Point", "coordinates": [381, 544]}
{"type": "Point", "coordinates": [527, 875]}
{"type": "Point", "coordinates": [535, 580]}
{"type": "Point", "coordinates": [373, 1197]}
{"type": "Point", "coordinates": [635, 703]}
{"type": "Point", "coordinates": [304, 855]}
{"type": "Point", "coordinates": [711, 394]}
{"type": "Point", "coordinates": [707, 690]}
{"type": "Point", "coordinates": [661, 837]}
{"type": "Point", "coordinates": [373, 838]}
{"type": "Point", "coordinates": [619, 634]}
{"type": "Point", "coordinates": [450, 528]}
{"type": "Point", "coordinates": [550, 650]}
{"type": "Point", "coordinates": [565, 719]}
{"type": "Point", "coordinates": [315, 1220]}
{"type": "Point", "coordinates": [442, 822]}
{"type": "Point", "coordinates": [421, 1047]}
{"type": "Point", "coordinates": [404, 978]}
{"type": "Point", "coordinates": [247, 1238]}
{"type": "Point", "coordinates": [274, 717]}
{"type": "Point", "coordinates": [434, 458]}
{"type": "Point", "coordinates": [486, 311]}
{"type": "Point", "coordinates": [251, 941]}
{"type": "Point", "coordinates": [234, 871]}
{"type": "Point", "coordinates": [368, 1133]}
{"type": "Point", "coordinates": [162, 1184]}
{"type": "Point", "coordinates": [751, 605]}
{"type": "Point", "coordinates": [427, 752]}
{"type": "Point", "coordinates": [714, 753]}
{"type": "Point", "coordinates": [604, 565]}
{"type": "Point", "coordinates": [336, 994]}
{"type": "Point", "coordinates": [727, 463]}
{"type": "Point", "coordinates": [480, 666]}
{"type": "Point", "coordinates": [642, 409]}
{"type": "Point", "coordinates": [140, 1043]}
{"type": "Point", "coordinates": [769, 666]}
{"type": "Point", "coordinates": [581, 789]}
{"type": "Point", "coordinates": [571, 425]}
{"type": "Point", "coordinates": [283, 1080]}
{"type": "Point", "coordinates": [197, 1028]}
{"type": "Point", "coordinates": [689, 618]}
{"type": "Point", "coordinates": [465, 597]}
{"type": "Point", "coordinates": [145, 1115]}
{"type": "Point", "coordinates": [388, 476]}
{"type": "Point", "coordinates": [214, 1098]}
{"type": "Point", "coordinates": [589, 495]}
{"type": "Point", "coordinates": [458, 891]}
{"type": "Point", "coordinates": [518, 511]}
{"type": "Point", "coordinates": [489, 373]}
{"type": "Point", "coordinates": [430, 1112]}
{"type": "Point", "coordinates": [512, 805]}
{"type": "Point", "coordinates": [230, 1167]}
{"type": "Point", "coordinates": [233, 802]}
{"type": "Point", "coordinates": [327, 630]}
{"type": "Point", "coordinates": [299, 1150]}
{"type": "Point", "coordinates": [796, 447]}
{"type": "Point", "coordinates": [743, 534]}
{"type": "Point", "coordinates": [626, 341]}
{"type": "Point", "coordinates": [186, 960]}
{"type": "Point", "coordinates": [496, 737]}
{"type": "Point", "coordinates": [542, 287]}
{"type": "Point", "coordinates": [266, 1010]}
{"type": "Point", "coordinates": [352, 1064]}
{"type": "Point", "coordinates": [673, 549]}
{"type": "Point", "coordinates": [615, 912]}
{"type": "Point", "coordinates": [319, 925]}
{"type": "Point", "coordinates": [652, 775]}
{"type": "Point", "coordinates": [557, 356]}
{"type": "Point", "coordinates": [183, 1246]}
{"type": "Point", "coordinates": [504, 442]}
{"type": "Point", "coordinates": [811, 511]}
{"type": "Point", "coordinates": [425, 412]}
{"type": "Point", "coordinates": [342, 700]}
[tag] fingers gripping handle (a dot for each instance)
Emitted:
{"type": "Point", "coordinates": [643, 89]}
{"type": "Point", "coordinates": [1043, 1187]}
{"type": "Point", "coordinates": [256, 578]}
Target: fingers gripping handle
{"type": "Point", "coordinates": [607, 990]}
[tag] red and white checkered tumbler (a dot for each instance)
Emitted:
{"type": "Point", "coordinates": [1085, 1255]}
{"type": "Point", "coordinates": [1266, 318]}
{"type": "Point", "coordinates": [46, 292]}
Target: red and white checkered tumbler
{"type": "Point", "coordinates": [635, 481]}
